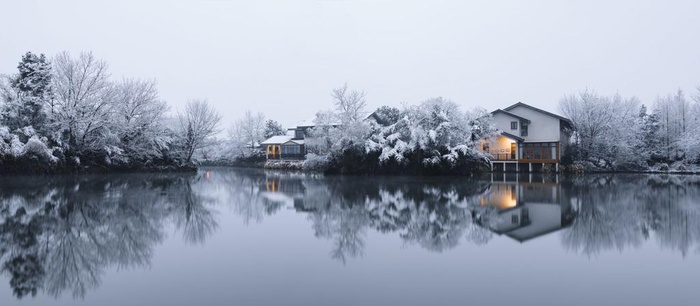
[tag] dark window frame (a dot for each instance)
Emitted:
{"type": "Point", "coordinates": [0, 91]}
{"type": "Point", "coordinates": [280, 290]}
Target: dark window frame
{"type": "Point", "coordinates": [523, 130]}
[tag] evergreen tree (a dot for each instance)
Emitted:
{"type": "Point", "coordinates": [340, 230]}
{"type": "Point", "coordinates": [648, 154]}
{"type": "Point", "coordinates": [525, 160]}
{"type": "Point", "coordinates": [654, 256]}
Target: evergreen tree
{"type": "Point", "coordinates": [31, 90]}
{"type": "Point", "coordinates": [387, 115]}
{"type": "Point", "coordinates": [651, 141]}
{"type": "Point", "coordinates": [273, 128]}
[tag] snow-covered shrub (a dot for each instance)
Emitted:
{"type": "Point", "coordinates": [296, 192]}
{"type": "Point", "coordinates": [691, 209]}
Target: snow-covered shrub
{"type": "Point", "coordinates": [37, 147]}
{"type": "Point", "coordinates": [16, 147]}
{"type": "Point", "coordinates": [436, 130]}
{"type": "Point", "coordinates": [316, 163]}
{"type": "Point", "coordinates": [5, 138]}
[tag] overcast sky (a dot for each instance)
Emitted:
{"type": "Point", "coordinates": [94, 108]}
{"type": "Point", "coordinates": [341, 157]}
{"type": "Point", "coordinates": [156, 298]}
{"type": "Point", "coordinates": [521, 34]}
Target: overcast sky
{"type": "Point", "coordinates": [283, 57]}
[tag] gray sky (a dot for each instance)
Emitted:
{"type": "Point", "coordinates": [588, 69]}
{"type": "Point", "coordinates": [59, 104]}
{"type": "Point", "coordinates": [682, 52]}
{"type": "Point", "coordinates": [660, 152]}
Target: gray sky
{"type": "Point", "coordinates": [283, 57]}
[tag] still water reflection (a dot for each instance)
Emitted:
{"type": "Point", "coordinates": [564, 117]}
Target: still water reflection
{"type": "Point", "coordinates": [62, 237]}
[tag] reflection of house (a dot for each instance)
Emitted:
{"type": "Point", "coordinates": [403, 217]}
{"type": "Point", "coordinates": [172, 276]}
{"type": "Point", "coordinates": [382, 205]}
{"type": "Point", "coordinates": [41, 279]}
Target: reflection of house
{"type": "Point", "coordinates": [527, 210]}
{"type": "Point", "coordinates": [529, 135]}
{"type": "Point", "coordinates": [283, 190]}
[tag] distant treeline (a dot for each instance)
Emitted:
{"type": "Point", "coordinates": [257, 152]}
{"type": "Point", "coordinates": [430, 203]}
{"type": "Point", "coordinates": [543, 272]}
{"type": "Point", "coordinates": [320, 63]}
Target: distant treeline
{"type": "Point", "coordinates": [67, 115]}
{"type": "Point", "coordinates": [436, 137]}
{"type": "Point", "coordinates": [622, 134]}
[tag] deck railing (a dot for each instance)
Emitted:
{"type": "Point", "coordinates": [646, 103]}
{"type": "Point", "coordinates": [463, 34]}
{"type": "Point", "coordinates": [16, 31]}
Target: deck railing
{"type": "Point", "coordinates": [502, 157]}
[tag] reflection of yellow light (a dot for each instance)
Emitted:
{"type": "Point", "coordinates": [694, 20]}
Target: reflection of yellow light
{"type": "Point", "coordinates": [499, 202]}
{"type": "Point", "coordinates": [502, 197]}
{"type": "Point", "coordinates": [508, 203]}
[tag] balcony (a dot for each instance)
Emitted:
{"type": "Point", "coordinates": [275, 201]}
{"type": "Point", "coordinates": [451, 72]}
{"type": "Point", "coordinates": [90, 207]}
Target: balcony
{"type": "Point", "coordinates": [503, 157]}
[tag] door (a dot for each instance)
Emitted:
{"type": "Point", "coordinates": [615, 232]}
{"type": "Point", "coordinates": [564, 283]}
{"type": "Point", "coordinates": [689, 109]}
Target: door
{"type": "Point", "coordinates": [513, 151]}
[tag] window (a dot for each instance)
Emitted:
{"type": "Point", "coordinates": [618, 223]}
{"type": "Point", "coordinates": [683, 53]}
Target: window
{"type": "Point", "coordinates": [299, 134]}
{"type": "Point", "coordinates": [523, 130]}
{"type": "Point", "coordinates": [513, 125]}
{"type": "Point", "coordinates": [291, 150]}
{"type": "Point", "coordinates": [514, 219]}
{"type": "Point", "coordinates": [486, 147]}
{"type": "Point", "coordinates": [554, 152]}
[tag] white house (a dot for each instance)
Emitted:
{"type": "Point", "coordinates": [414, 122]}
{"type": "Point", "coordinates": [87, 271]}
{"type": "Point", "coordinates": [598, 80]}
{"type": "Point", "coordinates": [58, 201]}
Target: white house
{"type": "Point", "coordinates": [529, 135]}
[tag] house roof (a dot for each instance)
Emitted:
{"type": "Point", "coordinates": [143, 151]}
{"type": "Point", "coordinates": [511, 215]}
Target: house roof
{"type": "Point", "coordinates": [567, 120]}
{"type": "Point", "coordinates": [277, 140]}
{"type": "Point", "coordinates": [282, 139]}
{"type": "Point", "coordinates": [511, 114]}
{"type": "Point", "coordinates": [306, 123]}
{"type": "Point", "coordinates": [511, 136]}
{"type": "Point", "coordinates": [309, 123]}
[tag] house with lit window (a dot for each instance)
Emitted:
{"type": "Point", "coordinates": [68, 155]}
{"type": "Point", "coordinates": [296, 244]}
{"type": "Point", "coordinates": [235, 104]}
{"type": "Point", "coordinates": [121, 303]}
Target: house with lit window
{"type": "Point", "coordinates": [291, 146]}
{"type": "Point", "coordinates": [284, 147]}
{"type": "Point", "coordinates": [529, 138]}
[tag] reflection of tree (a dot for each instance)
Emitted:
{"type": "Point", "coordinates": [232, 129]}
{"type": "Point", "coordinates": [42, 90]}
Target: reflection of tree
{"type": "Point", "coordinates": [674, 216]}
{"type": "Point", "coordinates": [436, 214]}
{"type": "Point", "coordinates": [26, 272]}
{"type": "Point", "coordinates": [617, 212]}
{"type": "Point", "coordinates": [63, 235]}
{"type": "Point", "coordinates": [345, 227]}
{"type": "Point", "coordinates": [243, 188]}
{"type": "Point", "coordinates": [437, 229]}
{"type": "Point", "coordinates": [60, 235]}
{"type": "Point", "coordinates": [191, 214]}
{"type": "Point", "coordinates": [605, 219]}
{"type": "Point", "coordinates": [608, 212]}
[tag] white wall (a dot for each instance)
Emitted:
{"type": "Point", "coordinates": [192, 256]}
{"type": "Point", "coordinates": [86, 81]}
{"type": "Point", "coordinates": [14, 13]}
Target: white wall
{"type": "Point", "coordinates": [542, 128]}
{"type": "Point", "coordinates": [502, 122]}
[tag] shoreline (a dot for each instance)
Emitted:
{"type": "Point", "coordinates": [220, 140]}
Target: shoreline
{"type": "Point", "coordinates": [264, 166]}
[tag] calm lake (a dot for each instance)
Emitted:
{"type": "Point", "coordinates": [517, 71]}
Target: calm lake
{"type": "Point", "coordinates": [253, 237]}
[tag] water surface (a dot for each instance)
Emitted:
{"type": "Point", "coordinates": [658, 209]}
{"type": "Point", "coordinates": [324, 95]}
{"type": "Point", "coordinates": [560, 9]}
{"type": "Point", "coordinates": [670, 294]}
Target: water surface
{"type": "Point", "coordinates": [250, 237]}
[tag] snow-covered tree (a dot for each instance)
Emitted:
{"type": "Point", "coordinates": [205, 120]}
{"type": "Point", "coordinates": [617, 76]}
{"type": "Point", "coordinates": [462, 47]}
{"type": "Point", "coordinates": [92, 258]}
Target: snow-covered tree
{"type": "Point", "coordinates": [341, 129]}
{"type": "Point", "coordinates": [691, 143]}
{"type": "Point", "coordinates": [649, 144]}
{"type": "Point", "coordinates": [273, 128]}
{"type": "Point", "coordinates": [247, 132]}
{"type": "Point", "coordinates": [27, 93]}
{"type": "Point", "coordinates": [438, 128]}
{"type": "Point", "coordinates": [138, 116]}
{"type": "Point", "coordinates": [605, 128]}
{"type": "Point", "coordinates": [322, 138]}
{"type": "Point", "coordinates": [350, 104]}
{"type": "Point", "coordinates": [198, 124]}
{"type": "Point", "coordinates": [83, 102]}
{"type": "Point", "coordinates": [386, 115]}
{"type": "Point", "coordinates": [674, 113]}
